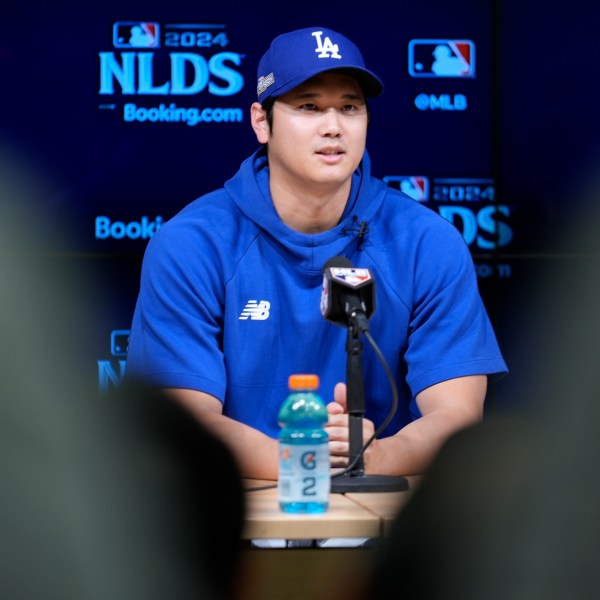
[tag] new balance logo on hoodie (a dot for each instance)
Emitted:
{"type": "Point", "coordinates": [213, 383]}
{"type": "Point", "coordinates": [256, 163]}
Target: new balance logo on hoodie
{"type": "Point", "coordinates": [257, 311]}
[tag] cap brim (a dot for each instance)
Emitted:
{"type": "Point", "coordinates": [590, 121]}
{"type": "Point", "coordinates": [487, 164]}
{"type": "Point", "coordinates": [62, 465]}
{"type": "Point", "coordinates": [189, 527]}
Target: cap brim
{"type": "Point", "coordinates": [371, 85]}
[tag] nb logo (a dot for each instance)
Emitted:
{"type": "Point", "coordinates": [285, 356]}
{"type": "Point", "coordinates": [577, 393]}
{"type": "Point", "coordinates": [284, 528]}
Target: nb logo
{"type": "Point", "coordinates": [257, 311]}
{"type": "Point", "coordinates": [326, 49]}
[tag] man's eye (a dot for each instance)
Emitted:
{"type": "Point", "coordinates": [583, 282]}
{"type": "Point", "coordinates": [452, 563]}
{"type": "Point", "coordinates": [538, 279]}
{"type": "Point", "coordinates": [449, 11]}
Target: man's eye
{"type": "Point", "coordinates": [309, 106]}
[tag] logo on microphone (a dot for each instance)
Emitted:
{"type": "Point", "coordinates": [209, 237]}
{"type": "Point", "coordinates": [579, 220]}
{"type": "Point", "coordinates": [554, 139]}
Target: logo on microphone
{"type": "Point", "coordinates": [351, 276]}
{"type": "Point", "coordinates": [348, 293]}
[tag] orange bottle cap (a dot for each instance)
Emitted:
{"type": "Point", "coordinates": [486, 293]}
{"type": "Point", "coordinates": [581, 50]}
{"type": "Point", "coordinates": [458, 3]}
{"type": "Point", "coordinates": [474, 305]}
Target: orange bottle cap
{"type": "Point", "coordinates": [303, 382]}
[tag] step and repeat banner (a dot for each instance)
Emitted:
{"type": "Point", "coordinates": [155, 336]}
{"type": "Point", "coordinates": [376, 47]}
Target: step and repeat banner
{"type": "Point", "coordinates": [128, 111]}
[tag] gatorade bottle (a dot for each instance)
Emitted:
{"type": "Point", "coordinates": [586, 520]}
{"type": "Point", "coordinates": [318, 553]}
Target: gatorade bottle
{"type": "Point", "coordinates": [304, 478]}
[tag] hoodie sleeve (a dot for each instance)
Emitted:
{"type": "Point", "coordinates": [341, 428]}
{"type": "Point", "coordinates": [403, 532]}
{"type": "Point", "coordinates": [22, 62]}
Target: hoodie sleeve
{"type": "Point", "coordinates": [176, 335]}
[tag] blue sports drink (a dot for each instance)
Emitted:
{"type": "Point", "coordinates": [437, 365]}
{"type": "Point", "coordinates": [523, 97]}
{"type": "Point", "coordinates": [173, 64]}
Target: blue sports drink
{"type": "Point", "coordinates": [304, 478]}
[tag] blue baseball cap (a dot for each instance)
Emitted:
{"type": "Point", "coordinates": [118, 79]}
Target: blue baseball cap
{"type": "Point", "coordinates": [298, 55]}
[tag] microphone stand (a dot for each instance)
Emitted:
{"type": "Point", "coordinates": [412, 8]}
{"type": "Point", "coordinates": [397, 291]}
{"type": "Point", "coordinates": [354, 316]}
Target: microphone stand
{"type": "Point", "coordinates": [355, 479]}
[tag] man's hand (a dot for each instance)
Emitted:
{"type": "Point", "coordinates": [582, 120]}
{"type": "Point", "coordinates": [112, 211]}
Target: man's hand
{"type": "Point", "coordinates": [339, 432]}
{"type": "Point", "coordinates": [446, 407]}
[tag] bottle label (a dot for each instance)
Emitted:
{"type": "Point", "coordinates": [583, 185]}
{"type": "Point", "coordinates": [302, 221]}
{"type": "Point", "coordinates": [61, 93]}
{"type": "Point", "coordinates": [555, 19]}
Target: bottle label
{"type": "Point", "coordinates": [304, 472]}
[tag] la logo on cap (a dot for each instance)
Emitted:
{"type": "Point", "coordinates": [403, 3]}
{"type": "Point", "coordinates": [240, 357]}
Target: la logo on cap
{"type": "Point", "coordinates": [326, 48]}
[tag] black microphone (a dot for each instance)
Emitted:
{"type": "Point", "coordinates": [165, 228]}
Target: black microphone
{"type": "Point", "coordinates": [348, 299]}
{"type": "Point", "coordinates": [348, 295]}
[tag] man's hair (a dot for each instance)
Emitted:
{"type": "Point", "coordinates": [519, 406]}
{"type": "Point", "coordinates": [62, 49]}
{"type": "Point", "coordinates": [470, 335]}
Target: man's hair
{"type": "Point", "coordinates": [267, 106]}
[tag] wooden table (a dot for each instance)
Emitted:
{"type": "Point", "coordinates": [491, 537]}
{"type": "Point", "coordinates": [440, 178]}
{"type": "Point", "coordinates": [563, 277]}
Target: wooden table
{"type": "Point", "coordinates": [344, 518]}
{"type": "Point", "coordinates": [356, 514]}
{"type": "Point", "coordinates": [317, 573]}
{"type": "Point", "coordinates": [384, 505]}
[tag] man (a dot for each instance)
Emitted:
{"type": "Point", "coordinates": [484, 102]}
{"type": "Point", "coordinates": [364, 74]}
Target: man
{"type": "Point", "coordinates": [230, 290]}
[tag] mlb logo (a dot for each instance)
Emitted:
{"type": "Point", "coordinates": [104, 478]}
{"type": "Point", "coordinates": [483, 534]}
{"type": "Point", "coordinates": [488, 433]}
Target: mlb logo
{"type": "Point", "coordinates": [441, 58]}
{"type": "Point", "coordinates": [351, 276]}
{"type": "Point", "coordinates": [119, 342]}
{"type": "Point", "coordinates": [415, 186]}
{"type": "Point", "coordinates": [135, 34]}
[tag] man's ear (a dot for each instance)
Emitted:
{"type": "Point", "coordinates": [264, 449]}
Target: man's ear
{"type": "Point", "coordinates": [258, 118]}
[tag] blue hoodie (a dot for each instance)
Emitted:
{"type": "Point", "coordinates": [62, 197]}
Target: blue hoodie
{"type": "Point", "coordinates": [229, 301]}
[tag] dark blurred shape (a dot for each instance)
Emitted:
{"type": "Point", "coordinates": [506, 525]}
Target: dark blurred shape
{"type": "Point", "coordinates": [122, 496]}
{"type": "Point", "coordinates": [503, 513]}
{"type": "Point", "coordinates": [187, 488]}
{"type": "Point", "coordinates": [511, 507]}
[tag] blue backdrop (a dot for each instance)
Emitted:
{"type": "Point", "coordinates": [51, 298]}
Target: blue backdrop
{"type": "Point", "coordinates": [127, 111]}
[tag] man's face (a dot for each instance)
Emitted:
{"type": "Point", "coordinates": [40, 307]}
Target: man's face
{"type": "Point", "coordinates": [319, 131]}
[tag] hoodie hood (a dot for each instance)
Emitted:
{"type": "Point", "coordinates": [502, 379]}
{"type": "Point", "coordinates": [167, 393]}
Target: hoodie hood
{"type": "Point", "coordinates": [249, 189]}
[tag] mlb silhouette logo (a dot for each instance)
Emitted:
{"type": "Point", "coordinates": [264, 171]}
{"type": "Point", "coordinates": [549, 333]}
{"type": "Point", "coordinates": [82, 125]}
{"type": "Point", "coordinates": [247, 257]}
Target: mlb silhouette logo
{"type": "Point", "coordinates": [415, 186]}
{"type": "Point", "coordinates": [135, 34]}
{"type": "Point", "coordinates": [119, 342]}
{"type": "Point", "coordinates": [441, 58]}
